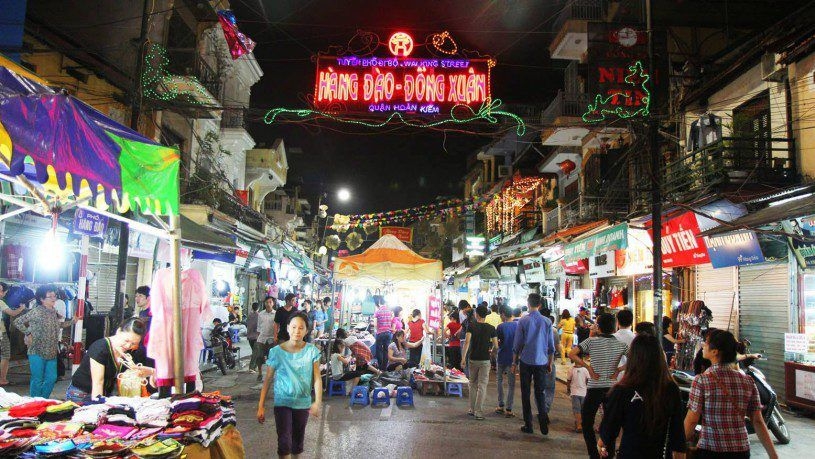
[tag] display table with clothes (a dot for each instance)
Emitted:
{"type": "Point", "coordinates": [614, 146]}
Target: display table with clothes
{"type": "Point", "coordinates": [199, 425]}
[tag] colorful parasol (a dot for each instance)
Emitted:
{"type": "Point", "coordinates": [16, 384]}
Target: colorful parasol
{"type": "Point", "coordinates": [69, 148]}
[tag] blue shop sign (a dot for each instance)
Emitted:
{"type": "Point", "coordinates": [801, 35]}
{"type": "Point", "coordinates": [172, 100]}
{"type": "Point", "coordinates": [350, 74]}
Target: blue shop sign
{"type": "Point", "coordinates": [735, 248]}
{"type": "Point", "coordinates": [89, 223]}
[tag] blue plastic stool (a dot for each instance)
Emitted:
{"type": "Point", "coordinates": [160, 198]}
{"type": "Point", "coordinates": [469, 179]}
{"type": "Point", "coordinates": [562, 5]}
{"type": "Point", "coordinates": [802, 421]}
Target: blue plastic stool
{"type": "Point", "coordinates": [404, 396]}
{"type": "Point", "coordinates": [359, 396]}
{"type": "Point", "coordinates": [206, 355]}
{"type": "Point", "coordinates": [336, 388]}
{"type": "Point", "coordinates": [455, 388]}
{"type": "Point", "coordinates": [381, 395]}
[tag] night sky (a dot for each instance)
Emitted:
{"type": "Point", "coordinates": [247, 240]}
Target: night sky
{"type": "Point", "coordinates": [389, 168]}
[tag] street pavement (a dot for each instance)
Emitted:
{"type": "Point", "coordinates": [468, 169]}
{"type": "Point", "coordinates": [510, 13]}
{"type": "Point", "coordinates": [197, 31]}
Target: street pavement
{"type": "Point", "coordinates": [437, 427]}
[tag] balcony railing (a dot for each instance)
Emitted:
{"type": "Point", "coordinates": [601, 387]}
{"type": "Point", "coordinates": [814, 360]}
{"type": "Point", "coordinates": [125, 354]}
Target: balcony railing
{"type": "Point", "coordinates": [233, 207]}
{"type": "Point", "coordinates": [233, 118]}
{"type": "Point", "coordinates": [584, 209]}
{"type": "Point", "coordinates": [565, 104]}
{"type": "Point", "coordinates": [730, 161]}
{"type": "Point", "coordinates": [527, 219]}
{"type": "Point", "coordinates": [208, 77]}
{"type": "Point", "coordinates": [586, 10]}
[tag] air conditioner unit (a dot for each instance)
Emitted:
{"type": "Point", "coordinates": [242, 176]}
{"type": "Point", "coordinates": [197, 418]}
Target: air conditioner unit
{"type": "Point", "coordinates": [504, 171]}
{"type": "Point", "coordinates": [770, 70]}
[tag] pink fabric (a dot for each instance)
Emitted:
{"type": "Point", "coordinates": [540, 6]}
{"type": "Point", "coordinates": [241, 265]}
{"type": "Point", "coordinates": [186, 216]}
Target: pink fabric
{"type": "Point", "coordinates": [195, 311]}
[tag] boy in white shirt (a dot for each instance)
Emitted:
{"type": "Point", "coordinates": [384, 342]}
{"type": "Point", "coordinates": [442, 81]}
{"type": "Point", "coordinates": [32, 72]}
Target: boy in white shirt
{"type": "Point", "coordinates": [576, 385]}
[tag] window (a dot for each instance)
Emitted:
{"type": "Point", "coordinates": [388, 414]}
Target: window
{"type": "Point", "coordinates": [751, 126]}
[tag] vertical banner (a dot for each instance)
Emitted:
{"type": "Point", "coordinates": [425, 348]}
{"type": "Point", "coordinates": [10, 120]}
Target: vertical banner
{"type": "Point", "coordinates": [434, 313]}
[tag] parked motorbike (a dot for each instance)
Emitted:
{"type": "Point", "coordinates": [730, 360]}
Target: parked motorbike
{"type": "Point", "coordinates": [225, 353]}
{"type": "Point", "coordinates": [769, 400]}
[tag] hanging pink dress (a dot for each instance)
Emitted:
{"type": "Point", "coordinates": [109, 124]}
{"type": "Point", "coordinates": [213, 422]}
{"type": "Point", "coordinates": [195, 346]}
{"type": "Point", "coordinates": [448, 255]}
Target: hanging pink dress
{"type": "Point", "coordinates": [194, 311]}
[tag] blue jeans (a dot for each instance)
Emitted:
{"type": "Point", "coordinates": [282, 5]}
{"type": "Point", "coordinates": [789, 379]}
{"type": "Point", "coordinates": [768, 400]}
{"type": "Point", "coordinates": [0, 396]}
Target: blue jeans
{"type": "Point", "coordinates": [383, 340]}
{"type": "Point", "coordinates": [533, 375]}
{"type": "Point", "coordinates": [43, 376]}
{"type": "Point", "coordinates": [499, 375]}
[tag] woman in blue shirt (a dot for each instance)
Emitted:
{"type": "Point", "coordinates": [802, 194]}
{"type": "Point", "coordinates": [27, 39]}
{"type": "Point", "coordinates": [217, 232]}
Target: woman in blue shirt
{"type": "Point", "coordinates": [297, 367]}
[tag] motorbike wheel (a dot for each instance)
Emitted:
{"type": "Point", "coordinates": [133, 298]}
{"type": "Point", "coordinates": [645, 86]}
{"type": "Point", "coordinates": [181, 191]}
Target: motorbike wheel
{"type": "Point", "coordinates": [778, 427]}
{"type": "Point", "coordinates": [219, 360]}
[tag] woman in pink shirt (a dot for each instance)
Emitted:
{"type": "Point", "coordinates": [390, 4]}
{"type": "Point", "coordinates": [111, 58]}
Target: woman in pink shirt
{"type": "Point", "coordinates": [397, 323]}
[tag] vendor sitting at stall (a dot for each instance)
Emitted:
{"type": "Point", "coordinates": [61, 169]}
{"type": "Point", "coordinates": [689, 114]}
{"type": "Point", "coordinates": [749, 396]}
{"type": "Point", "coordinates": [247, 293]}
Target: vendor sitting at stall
{"type": "Point", "coordinates": [397, 352]}
{"type": "Point", "coordinates": [105, 360]}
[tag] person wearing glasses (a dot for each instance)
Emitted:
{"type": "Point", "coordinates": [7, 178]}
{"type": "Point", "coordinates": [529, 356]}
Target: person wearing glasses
{"type": "Point", "coordinates": [42, 327]}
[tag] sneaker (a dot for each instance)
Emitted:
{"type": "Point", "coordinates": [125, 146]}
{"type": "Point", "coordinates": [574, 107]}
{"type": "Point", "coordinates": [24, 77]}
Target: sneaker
{"type": "Point", "coordinates": [470, 413]}
{"type": "Point", "coordinates": [499, 410]}
{"type": "Point", "coordinates": [527, 430]}
{"type": "Point", "coordinates": [509, 414]}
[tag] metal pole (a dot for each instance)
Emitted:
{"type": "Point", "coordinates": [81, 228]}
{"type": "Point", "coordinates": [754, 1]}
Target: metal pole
{"type": "Point", "coordinates": [178, 338]}
{"type": "Point", "coordinates": [80, 303]}
{"type": "Point", "coordinates": [656, 178]}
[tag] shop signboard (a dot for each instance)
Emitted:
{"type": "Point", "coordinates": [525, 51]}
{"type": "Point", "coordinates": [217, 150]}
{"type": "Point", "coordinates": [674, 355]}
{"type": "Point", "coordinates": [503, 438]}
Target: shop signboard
{"type": "Point", "coordinates": [614, 238]}
{"type": "Point", "coordinates": [402, 233]}
{"type": "Point", "coordinates": [803, 246]}
{"type": "Point", "coordinates": [602, 265]}
{"type": "Point", "coordinates": [576, 266]}
{"type": "Point", "coordinates": [735, 248]}
{"type": "Point", "coordinates": [638, 257]}
{"type": "Point", "coordinates": [494, 242]}
{"type": "Point", "coordinates": [805, 384]}
{"type": "Point", "coordinates": [401, 83]}
{"type": "Point", "coordinates": [433, 313]}
{"type": "Point", "coordinates": [89, 223]}
{"type": "Point", "coordinates": [681, 244]}
{"type": "Point", "coordinates": [797, 343]}
{"type": "Point", "coordinates": [533, 270]}
{"type": "Point", "coordinates": [553, 269]}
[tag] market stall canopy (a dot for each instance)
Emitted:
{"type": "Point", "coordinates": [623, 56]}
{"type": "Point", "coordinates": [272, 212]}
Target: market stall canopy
{"type": "Point", "coordinates": [387, 260]}
{"type": "Point", "coordinates": [57, 142]}
{"type": "Point", "coordinates": [794, 208]}
{"type": "Point", "coordinates": [201, 238]}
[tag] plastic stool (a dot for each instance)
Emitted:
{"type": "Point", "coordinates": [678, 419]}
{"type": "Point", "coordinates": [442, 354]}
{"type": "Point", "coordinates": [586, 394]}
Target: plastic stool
{"type": "Point", "coordinates": [359, 396]}
{"type": "Point", "coordinates": [381, 395]}
{"type": "Point", "coordinates": [236, 335]}
{"type": "Point", "coordinates": [404, 396]}
{"type": "Point", "coordinates": [455, 388]}
{"type": "Point", "coordinates": [336, 388]}
{"type": "Point", "coordinates": [206, 355]}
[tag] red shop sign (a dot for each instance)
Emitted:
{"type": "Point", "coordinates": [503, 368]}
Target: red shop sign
{"type": "Point", "coordinates": [681, 244]}
{"type": "Point", "coordinates": [576, 267]}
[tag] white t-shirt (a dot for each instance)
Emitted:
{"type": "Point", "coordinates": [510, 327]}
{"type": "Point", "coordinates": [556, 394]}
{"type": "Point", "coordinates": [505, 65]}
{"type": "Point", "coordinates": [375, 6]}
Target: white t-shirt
{"type": "Point", "coordinates": [579, 377]}
{"type": "Point", "coordinates": [625, 335]}
{"type": "Point", "coordinates": [336, 366]}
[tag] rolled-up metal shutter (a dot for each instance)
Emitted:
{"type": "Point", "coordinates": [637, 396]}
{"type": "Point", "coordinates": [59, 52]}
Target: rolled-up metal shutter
{"type": "Point", "coordinates": [718, 288]}
{"type": "Point", "coordinates": [764, 315]}
{"type": "Point", "coordinates": [103, 286]}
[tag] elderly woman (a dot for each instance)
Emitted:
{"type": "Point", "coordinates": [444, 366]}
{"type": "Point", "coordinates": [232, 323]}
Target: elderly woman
{"type": "Point", "coordinates": [105, 359]}
{"type": "Point", "coordinates": [41, 327]}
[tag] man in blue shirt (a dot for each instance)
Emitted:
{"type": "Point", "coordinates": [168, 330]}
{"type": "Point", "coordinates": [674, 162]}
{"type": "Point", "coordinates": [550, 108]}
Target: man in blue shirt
{"type": "Point", "coordinates": [534, 351]}
{"type": "Point", "coordinates": [506, 340]}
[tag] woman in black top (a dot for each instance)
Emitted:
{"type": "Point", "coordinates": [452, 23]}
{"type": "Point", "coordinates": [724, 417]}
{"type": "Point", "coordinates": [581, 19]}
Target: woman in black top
{"type": "Point", "coordinates": [646, 405]}
{"type": "Point", "coordinates": [102, 363]}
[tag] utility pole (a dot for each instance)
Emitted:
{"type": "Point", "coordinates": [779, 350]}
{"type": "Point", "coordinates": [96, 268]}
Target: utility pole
{"type": "Point", "coordinates": [135, 114]}
{"type": "Point", "coordinates": [656, 177]}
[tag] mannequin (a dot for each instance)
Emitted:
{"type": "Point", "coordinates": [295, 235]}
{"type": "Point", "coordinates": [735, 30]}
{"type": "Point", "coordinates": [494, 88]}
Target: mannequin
{"type": "Point", "coordinates": [195, 311]}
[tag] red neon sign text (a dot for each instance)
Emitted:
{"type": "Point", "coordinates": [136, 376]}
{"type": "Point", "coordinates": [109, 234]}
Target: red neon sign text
{"type": "Point", "coordinates": [470, 88]}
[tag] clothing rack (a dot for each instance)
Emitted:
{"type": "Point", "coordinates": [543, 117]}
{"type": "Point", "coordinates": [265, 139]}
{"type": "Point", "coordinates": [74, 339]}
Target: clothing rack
{"type": "Point", "coordinates": [693, 318]}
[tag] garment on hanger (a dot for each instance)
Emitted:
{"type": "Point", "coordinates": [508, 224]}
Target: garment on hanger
{"type": "Point", "coordinates": [195, 311]}
{"type": "Point", "coordinates": [616, 297]}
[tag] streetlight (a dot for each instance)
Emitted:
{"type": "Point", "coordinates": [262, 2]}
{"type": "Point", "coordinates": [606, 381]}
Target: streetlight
{"type": "Point", "coordinates": [343, 194]}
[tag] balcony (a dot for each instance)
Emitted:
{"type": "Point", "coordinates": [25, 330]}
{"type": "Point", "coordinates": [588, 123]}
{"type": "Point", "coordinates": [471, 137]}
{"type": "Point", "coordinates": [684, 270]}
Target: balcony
{"type": "Point", "coordinates": [571, 41]}
{"type": "Point", "coordinates": [527, 219]}
{"type": "Point", "coordinates": [233, 118]}
{"type": "Point", "coordinates": [584, 209]}
{"type": "Point", "coordinates": [741, 163]}
{"type": "Point", "coordinates": [233, 207]}
{"type": "Point", "coordinates": [562, 122]}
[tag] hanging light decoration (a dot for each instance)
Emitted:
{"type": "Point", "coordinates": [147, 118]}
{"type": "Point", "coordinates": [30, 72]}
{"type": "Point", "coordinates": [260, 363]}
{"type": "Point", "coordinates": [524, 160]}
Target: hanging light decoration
{"type": "Point", "coordinates": [353, 241]}
{"type": "Point", "coordinates": [333, 242]}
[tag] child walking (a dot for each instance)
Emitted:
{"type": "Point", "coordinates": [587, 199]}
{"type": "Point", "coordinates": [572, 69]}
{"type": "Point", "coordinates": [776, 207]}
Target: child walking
{"type": "Point", "coordinates": [576, 385]}
{"type": "Point", "coordinates": [296, 366]}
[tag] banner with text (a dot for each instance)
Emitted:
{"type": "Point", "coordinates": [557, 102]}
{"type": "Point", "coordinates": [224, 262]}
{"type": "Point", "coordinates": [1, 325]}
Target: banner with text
{"type": "Point", "coordinates": [400, 232]}
{"type": "Point", "coordinates": [433, 313]}
{"type": "Point", "coordinates": [735, 248]}
{"type": "Point", "coordinates": [681, 244]}
{"type": "Point", "coordinates": [614, 238]}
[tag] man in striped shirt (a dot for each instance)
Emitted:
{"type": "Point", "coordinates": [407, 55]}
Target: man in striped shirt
{"type": "Point", "coordinates": [605, 351]}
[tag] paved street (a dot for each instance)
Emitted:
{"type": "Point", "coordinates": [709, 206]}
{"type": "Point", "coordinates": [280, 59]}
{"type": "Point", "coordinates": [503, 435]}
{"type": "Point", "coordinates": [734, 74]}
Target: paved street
{"type": "Point", "coordinates": [438, 427]}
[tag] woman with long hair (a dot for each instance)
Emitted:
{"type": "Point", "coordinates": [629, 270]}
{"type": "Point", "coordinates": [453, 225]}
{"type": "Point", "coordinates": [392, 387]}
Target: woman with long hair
{"type": "Point", "coordinates": [397, 355]}
{"type": "Point", "coordinates": [645, 404]}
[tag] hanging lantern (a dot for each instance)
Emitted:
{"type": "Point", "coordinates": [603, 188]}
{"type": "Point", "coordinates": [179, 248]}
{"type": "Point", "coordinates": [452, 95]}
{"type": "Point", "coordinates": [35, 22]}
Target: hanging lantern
{"type": "Point", "coordinates": [353, 241]}
{"type": "Point", "coordinates": [333, 242]}
{"type": "Point", "coordinates": [370, 228]}
{"type": "Point", "coordinates": [567, 167]}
